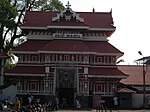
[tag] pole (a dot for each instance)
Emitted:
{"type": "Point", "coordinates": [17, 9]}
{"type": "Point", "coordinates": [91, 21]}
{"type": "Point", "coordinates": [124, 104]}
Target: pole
{"type": "Point", "coordinates": [143, 80]}
{"type": "Point", "coordinates": [143, 85]}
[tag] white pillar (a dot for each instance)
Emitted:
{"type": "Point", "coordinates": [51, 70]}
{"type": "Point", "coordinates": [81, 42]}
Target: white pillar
{"type": "Point", "coordinates": [54, 81]}
{"type": "Point", "coordinates": [77, 78]}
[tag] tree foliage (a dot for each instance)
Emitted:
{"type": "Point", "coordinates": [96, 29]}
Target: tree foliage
{"type": "Point", "coordinates": [52, 5]}
{"type": "Point", "coordinates": [11, 18]}
{"type": "Point", "coordinates": [8, 13]}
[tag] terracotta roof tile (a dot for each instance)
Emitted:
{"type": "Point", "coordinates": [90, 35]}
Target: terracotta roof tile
{"type": "Point", "coordinates": [44, 19]}
{"type": "Point", "coordinates": [106, 72]}
{"type": "Point", "coordinates": [27, 70]}
{"type": "Point", "coordinates": [135, 73]}
{"type": "Point", "coordinates": [32, 45]}
{"type": "Point", "coordinates": [126, 90]}
{"type": "Point", "coordinates": [102, 47]}
{"type": "Point", "coordinates": [3, 54]}
{"type": "Point", "coordinates": [68, 46]}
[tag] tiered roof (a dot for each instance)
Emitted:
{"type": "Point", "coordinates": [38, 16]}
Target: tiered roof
{"type": "Point", "coordinates": [67, 46]}
{"type": "Point", "coordinates": [68, 20]}
{"type": "Point", "coordinates": [43, 20]}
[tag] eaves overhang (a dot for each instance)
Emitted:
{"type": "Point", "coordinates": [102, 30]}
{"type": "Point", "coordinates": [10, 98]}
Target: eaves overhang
{"type": "Point", "coordinates": [107, 76]}
{"type": "Point", "coordinates": [66, 27]}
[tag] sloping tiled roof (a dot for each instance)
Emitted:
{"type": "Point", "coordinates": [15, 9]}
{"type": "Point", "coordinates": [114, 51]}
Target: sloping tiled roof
{"type": "Point", "coordinates": [106, 72]}
{"type": "Point", "coordinates": [67, 46]}
{"type": "Point", "coordinates": [135, 73]}
{"type": "Point", "coordinates": [32, 45]}
{"type": "Point", "coordinates": [126, 90]}
{"type": "Point", "coordinates": [27, 70]}
{"type": "Point", "coordinates": [91, 19]}
{"type": "Point", "coordinates": [102, 47]}
{"type": "Point", "coordinates": [3, 54]}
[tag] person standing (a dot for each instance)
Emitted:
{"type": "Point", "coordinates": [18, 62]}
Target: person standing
{"type": "Point", "coordinates": [17, 105]}
{"type": "Point", "coordinates": [30, 99]}
{"type": "Point", "coordinates": [55, 104]}
{"type": "Point", "coordinates": [115, 102]}
{"type": "Point", "coordinates": [78, 104]}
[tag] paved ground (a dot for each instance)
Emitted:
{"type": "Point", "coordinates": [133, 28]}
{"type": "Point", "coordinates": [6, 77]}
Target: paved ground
{"type": "Point", "coordinates": [103, 111]}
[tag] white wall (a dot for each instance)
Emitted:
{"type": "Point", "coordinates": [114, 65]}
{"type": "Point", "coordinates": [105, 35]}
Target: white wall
{"type": "Point", "coordinates": [137, 100]}
{"type": "Point", "coordinates": [10, 92]}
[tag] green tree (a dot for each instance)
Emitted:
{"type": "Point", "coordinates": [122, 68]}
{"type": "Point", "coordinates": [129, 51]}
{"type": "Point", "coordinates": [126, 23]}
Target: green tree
{"type": "Point", "coordinates": [8, 13]}
{"type": "Point", "coordinates": [52, 5]}
{"type": "Point", "coordinates": [12, 14]}
{"type": "Point", "coordinates": [11, 18]}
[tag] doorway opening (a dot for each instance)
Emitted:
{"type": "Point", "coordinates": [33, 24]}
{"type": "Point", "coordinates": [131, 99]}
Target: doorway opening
{"type": "Point", "coordinates": [66, 97]}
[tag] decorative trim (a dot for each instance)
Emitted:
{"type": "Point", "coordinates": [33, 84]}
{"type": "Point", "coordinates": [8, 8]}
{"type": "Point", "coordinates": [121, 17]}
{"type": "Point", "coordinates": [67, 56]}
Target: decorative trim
{"type": "Point", "coordinates": [102, 29]}
{"type": "Point", "coordinates": [105, 76]}
{"type": "Point", "coordinates": [17, 74]}
{"type": "Point", "coordinates": [26, 52]}
{"type": "Point", "coordinates": [68, 14]}
{"type": "Point", "coordinates": [69, 27]}
{"type": "Point", "coordinates": [31, 27]}
{"type": "Point", "coordinates": [65, 52]}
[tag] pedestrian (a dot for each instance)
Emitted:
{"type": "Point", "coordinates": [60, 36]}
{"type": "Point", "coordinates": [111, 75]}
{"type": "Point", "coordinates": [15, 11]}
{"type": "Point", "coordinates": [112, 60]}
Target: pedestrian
{"type": "Point", "coordinates": [55, 104]}
{"type": "Point", "coordinates": [78, 104]}
{"type": "Point", "coordinates": [17, 105]}
{"type": "Point", "coordinates": [115, 102]}
{"type": "Point", "coordinates": [30, 99]}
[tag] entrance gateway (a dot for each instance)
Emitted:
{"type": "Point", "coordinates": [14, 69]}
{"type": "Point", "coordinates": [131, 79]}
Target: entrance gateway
{"type": "Point", "coordinates": [66, 89]}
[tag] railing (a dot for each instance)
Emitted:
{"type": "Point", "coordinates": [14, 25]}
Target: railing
{"type": "Point", "coordinates": [81, 62]}
{"type": "Point", "coordinates": [34, 92]}
{"type": "Point", "coordinates": [103, 93]}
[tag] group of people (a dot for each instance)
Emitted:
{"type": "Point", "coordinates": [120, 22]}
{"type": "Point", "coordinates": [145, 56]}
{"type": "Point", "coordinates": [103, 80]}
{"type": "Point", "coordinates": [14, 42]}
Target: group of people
{"type": "Point", "coordinates": [53, 104]}
{"type": "Point", "coordinates": [4, 104]}
{"type": "Point", "coordinates": [28, 103]}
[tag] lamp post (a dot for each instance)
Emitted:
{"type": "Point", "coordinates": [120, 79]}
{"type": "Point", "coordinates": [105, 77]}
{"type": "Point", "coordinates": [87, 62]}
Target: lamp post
{"type": "Point", "coordinates": [143, 80]}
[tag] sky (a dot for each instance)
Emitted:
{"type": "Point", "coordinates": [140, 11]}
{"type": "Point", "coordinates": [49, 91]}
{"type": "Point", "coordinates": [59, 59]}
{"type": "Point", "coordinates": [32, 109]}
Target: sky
{"type": "Point", "coordinates": [132, 21]}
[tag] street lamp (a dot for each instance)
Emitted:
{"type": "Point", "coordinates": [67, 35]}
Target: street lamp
{"type": "Point", "coordinates": [143, 80]}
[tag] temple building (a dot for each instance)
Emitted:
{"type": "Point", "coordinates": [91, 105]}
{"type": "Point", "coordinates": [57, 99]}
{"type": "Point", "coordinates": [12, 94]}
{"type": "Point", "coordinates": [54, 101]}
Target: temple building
{"type": "Point", "coordinates": [68, 55]}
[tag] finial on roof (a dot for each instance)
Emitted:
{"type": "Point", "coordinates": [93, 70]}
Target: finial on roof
{"type": "Point", "coordinates": [68, 5]}
{"type": "Point", "coordinates": [111, 11]}
{"type": "Point", "coordinates": [93, 9]}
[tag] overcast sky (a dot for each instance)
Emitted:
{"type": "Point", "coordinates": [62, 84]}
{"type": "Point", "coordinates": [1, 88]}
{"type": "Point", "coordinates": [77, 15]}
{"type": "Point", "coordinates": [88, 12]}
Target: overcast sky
{"type": "Point", "coordinates": [132, 21]}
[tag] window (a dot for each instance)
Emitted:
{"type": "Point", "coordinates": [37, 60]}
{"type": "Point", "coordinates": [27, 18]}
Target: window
{"type": "Point", "coordinates": [72, 58]}
{"type": "Point", "coordinates": [86, 58]}
{"type": "Point", "coordinates": [33, 86]}
{"type": "Point", "coordinates": [60, 57]}
{"type": "Point", "coordinates": [99, 59]}
{"type": "Point", "coordinates": [99, 88]}
{"type": "Point", "coordinates": [34, 58]}
{"type": "Point", "coordinates": [53, 57]}
{"type": "Point", "coordinates": [66, 58]}
{"type": "Point", "coordinates": [20, 58]}
{"type": "Point", "coordinates": [80, 58]}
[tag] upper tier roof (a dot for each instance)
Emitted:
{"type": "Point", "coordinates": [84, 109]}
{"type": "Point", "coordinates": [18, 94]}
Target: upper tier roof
{"type": "Point", "coordinates": [44, 19]}
{"type": "Point", "coordinates": [67, 46]}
